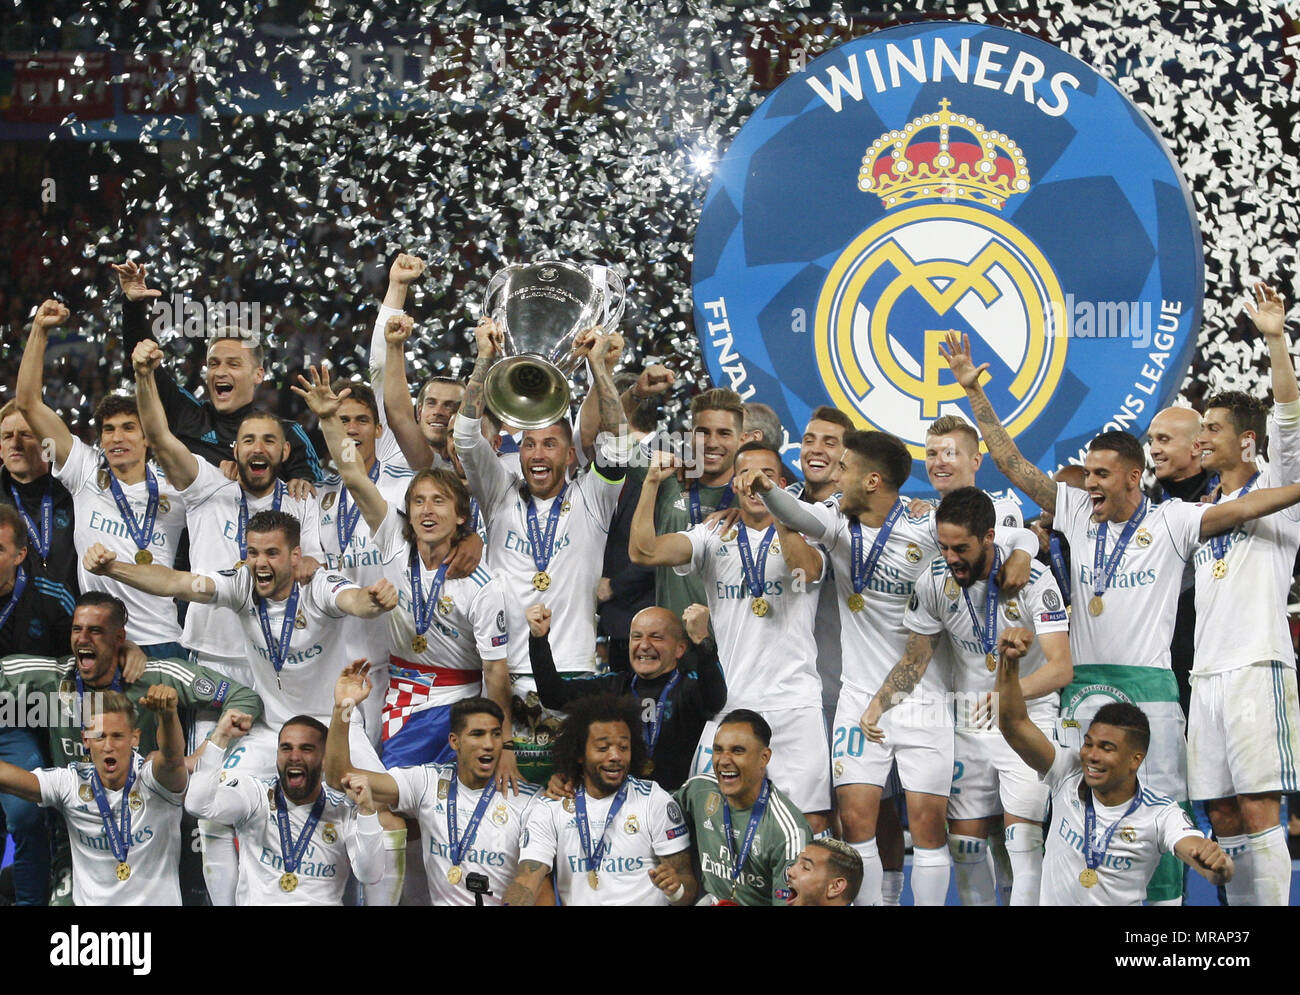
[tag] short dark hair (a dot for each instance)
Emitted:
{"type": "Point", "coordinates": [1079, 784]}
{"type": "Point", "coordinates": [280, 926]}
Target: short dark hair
{"type": "Point", "coordinates": [271, 520]}
{"type": "Point", "coordinates": [886, 454]}
{"type": "Point", "coordinates": [309, 722]}
{"type": "Point", "coordinates": [824, 412]}
{"type": "Point", "coordinates": [570, 751]}
{"type": "Point", "coordinates": [259, 413]}
{"type": "Point", "coordinates": [746, 717]}
{"type": "Point", "coordinates": [1127, 716]}
{"type": "Point", "coordinates": [1124, 444]}
{"type": "Point", "coordinates": [114, 404]}
{"type": "Point", "coordinates": [463, 709]}
{"type": "Point", "coordinates": [360, 392]}
{"type": "Point", "coordinates": [968, 507]}
{"type": "Point", "coordinates": [561, 422]}
{"type": "Point", "coordinates": [445, 478]}
{"type": "Point", "coordinates": [9, 515]}
{"type": "Point", "coordinates": [248, 339]}
{"type": "Point", "coordinates": [1248, 413]}
{"type": "Point", "coordinates": [424, 389]}
{"type": "Point", "coordinates": [844, 860]}
{"type": "Point", "coordinates": [96, 599]}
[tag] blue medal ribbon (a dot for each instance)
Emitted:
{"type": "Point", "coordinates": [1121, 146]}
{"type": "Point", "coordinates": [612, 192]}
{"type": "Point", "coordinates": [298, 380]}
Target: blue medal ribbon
{"type": "Point", "coordinates": [542, 542]}
{"type": "Point", "coordinates": [741, 857]}
{"type": "Point", "coordinates": [20, 584]}
{"type": "Point", "coordinates": [41, 536]}
{"type": "Point", "coordinates": [862, 570]}
{"type": "Point", "coordinates": [988, 636]}
{"type": "Point", "coordinates": [119, 835]}
{"type": "Point", "coordinates": [114, 685]}
{"type": "Point", "coordinates": [458, 846]}
{"type": "Point", "coordinates": [755, 572]}
{"type": "Point", "coordinates": [290, 850]}
{"type": "Point", "coordinates": [139, 531]}
{"type": "Point", "coordinates": [473, 514]}
{"type": "Point", "coordinates": [651, 730]}
{"type": "Point", "coordinates": [279, 651]}
{"type": "Point", "coordinates": [1059, 570]}
{"type": "Point", "coordinates": [421, 608]}
{"type": "Point", "coordinates": [1219, 543]}
{"type": "Point", "coordinates": [594, 856]}
{"type": "Point", "coordinates": [241, 538]}
{"type": "Point", "coordinates": [346, 523]}
{"type": "Point", "coordinates": [1093, 858]}
{"type": "Point", "coordinates": [697, 513]}
{"type": "Point", "coordinates": [1102, 572]}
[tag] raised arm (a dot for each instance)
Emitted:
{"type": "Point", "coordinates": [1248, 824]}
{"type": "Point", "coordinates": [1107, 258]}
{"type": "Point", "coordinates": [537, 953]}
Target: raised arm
{"type": "Point", "coordinates": [604, 357]}
{"type": "Point", "coordinates": [152, 578]}
{"type": "Point", "coordinates": [324, 403]}
{"type": "Point", "coordinates": [1005, 453]}
{"type": "Point", "coordinates": [486, 477]}
{"type": "Point", "coordinates": [368, 602]}
{"type": "Point", "coordinates": [798, 554]}
{"type": "Point", "coordinates": [816, 521]}
{"type": "Point", "coordinates": [529, 878]}
{"type": "Point", "coordinates": [1056, 672]}
{"type": "Point", "coordinates": [1019, 731]}
{"type": "Point", "coordinates": [1269, 315]}
{"type": "Point", "coordinates": [44, 422]}
{"type": "Point", "coordinates": [205, 797]}
{"type": "Point", "coordinates": [350, 690]}
{"type": "Point", "coordinates": [397, 394]}
{"type": "Point", "coordinates": [902, 680]}
{"type": "Point", "coordinates": [22, 783]}
{"type": "Point", "coordinates": [644, 547]}
{"type": "Point", "coordinates": [1206, 858]}
{"type": "Point", "coordinates": [175, 458]}
{"type": "Point", "coordinates": [491, 342]}
{"type": "Point", "coordinates": [1227, 515]}
{"type": "Point", "coordinates": [169, 760]}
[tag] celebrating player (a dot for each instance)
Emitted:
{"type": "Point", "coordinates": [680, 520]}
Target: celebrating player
{"type": "Point", "coordinates": [827, 872]}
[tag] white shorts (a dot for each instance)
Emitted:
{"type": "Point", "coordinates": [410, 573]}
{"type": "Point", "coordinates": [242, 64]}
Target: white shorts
{"type": "Point", "coordinates": [1243, 732]}
{"type": "Point", "coordinates": [989, 777]}
{"type": "Point", "coordinates": [918, 738]}
{"type": "Point", "coordinates": [255, 754]}
{"type": "Point", "coordinates": [801, 762]}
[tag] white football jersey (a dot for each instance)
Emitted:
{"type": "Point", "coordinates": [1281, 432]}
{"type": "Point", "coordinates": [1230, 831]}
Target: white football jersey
{"type": "Point", "coordinates": [494, 851]}
{"type": "Point", "coordinates": [212, 506]}
{"type": "Point", "coordinates": [343, 840]}
{"type": "Point", "coordinates": [1241, 617]}
{"type": "Point", "coordinates": [649, 825]}
{"type": "Point", "coordinates": [1151, 830]}
{"type": "Point", "coordinates": [575, 566]}
{"type": "Point", "coordinates": [84, 473]}
{"type": "Point", "coordinates": [938, 606]}
{"type": "Point", "coordinates": [316, 656]}
{"type": "Point", "coordinates": [155, 850]}
{"type": "Point", "coordinates": [387, 450]}
{"type": "Point", "coordinates": [1136, 625]}
{"type": "Point", "coordinates": [769, 662]}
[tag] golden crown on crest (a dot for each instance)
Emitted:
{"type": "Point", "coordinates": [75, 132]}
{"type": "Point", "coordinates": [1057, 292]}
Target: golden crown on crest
{"type": "Point", "coordinates": [944, 155]}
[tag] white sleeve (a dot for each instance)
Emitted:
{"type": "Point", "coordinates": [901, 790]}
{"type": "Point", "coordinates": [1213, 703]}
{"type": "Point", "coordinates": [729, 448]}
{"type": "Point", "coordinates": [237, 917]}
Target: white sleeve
{"type": "Point", "coordinates": [389, 538]}
{"type": "Point", "coordinates": [80, 466]}
{"type": "Point", "coordinates": [151, 782]}
{"type": "Point", "coordinates": [309, 521]}
{"type": "Point", "coordinates": [233, 588]}
{"type": "Point", "coordinates": [1008, 513]}
{"type": "Point", "coordinates": [817, 521]}
{"type": "Point", "coordinates": [326, 588]}
{"type": "Point", "coordinates": [539, 841]}
{"type": "Point", "coordinates": [56, 785]}
{"type": "Point", "coordinates": [228, 803]}
{"type": "Point", "coordinates": [1065, 766]}
{"type": "Point", "coordinates": [1183, 520]}
{"type": "Point", "coordinates": [699, 536]}
{"type": "Point", "coordinates": [600, 496]}
{"type": "Point", "coordinates": [378, 357]}
{"type": "Point", "coordinates": [365, 845]}
{"type": "Point", "coordinates": [1172, 825]}
{"type": "Point", "coordinates": [1017, 539]}
{"type": "Point", "coordinates": [1284, 441]}
{"type": "Point", "coordinates": [668, 832]}
{"type": "Point", "coordinates": [923, 611]}
{"type": "Point", "coordinates": [1042, 600]}
{"type": "Point", "coordinates": [487, 612]}
{"type": "Point", "coordinates": [412, 783]}
{"type": "Point", "coordinates": [488, 479]}
{"type": "Point", "coordinates": [1073, 512]}
{"type": "Point", "coordinates": [207, 482]}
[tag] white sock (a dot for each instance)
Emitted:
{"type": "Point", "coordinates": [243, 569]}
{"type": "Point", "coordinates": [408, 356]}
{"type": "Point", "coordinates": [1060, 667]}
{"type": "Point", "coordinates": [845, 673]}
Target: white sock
{"type": "Point", "coordinates": [930, 872]}
{"type": "Point", "coordinates": [869, 893]}
{"type": "Point", "coordinates": [388, 890]}
{"type": "Point", "coordinates": [220, 861]}
{"type": "Point", "coordinates": [891, 888]}
{"type": "Point", "coordinates": [1024, 842]}
{"type": "Point", "coordinates": [1271, 868]}
{"type": "Point", "coordinates": [1003, 875]}
{"type": "Point", "coordinates": [974, 874]}
{"type": "Point", "coordinates": [415, 886]}
{"type": "Point", "coordinates": [1241, 889]}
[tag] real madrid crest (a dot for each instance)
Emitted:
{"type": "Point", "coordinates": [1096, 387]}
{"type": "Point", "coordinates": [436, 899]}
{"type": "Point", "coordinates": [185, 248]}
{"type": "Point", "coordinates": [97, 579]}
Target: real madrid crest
{"type": "Point", "coordinates": [163, 504]}
{"type": "Point", "coordinates": [445, 605]}
{"type": "Point", "coordinates": [913, 553]}
{"type": "Point", "coordinates": [839, 768]}
{"type": "Point", "coordinates": [567, 805]}
{"type": "Point", "coordinates": [730, 536]}
{"type": "Point", "coordinates": [300, 621]}
{"type": "Point", "coordinates": [500, 814]}
{"type": "Point", "coordinates": [1012, 611]}
{"type": "Point", "coordinates": [1142, 538]}
{"type": "Point", "coordinates": [1129, 834]}
{"type": "Point", "coordinates": [135, 801]}
{"type": "Point", "coordinates": [102, 479]}
{"type": "Point", "coordinates": [631, 826]}
{"type": "Point", "coordinates": [328, 833]}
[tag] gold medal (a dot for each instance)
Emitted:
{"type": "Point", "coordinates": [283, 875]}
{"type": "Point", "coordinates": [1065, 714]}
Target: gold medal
{"type": "Point", "coordinates": [593, 880]}
{"type": "Point", "coordinates": [453, 873]}
{"type": "Point", "coordinates": [647, 768]}
{"type": "Point", "coordinates": [238, 564]}
{"type": "Point", "coordinates": [1220, 569]}
{"type": "Point", "coordinates": [1095, 605]}
{"type": "Point", "coordinates": [541, 580]}
{"type": "Point", "coordinates": [760, 607]}
{"type": "Point", "coordinates": [1087, 877]}
{"type": "Point", "coordinates": [288, 881]}
{"type": "Point", "coordinates": [991, 662]}
{"type": "Point", "coordinates": [857, 602]}
{"type": "Point", "coordinates": [123, 870]}
{"type": "Point", "coordinates": [143, 557]}
{"type": "Point", "coordinates": [419, 644]}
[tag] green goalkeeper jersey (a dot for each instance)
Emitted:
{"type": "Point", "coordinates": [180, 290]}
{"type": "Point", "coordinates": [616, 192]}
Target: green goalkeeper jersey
{"type": "Point", "coordinates": [781, 834]}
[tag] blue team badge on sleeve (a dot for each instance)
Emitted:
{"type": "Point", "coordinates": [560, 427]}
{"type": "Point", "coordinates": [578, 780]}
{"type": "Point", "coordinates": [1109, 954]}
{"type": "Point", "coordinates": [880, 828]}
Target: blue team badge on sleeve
{"type": "Point", "coordinates": [943, 176]}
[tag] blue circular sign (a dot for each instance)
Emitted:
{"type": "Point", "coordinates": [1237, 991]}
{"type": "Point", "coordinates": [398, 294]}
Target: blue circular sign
{"type": "Point", "coordinates": [951, 176]}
